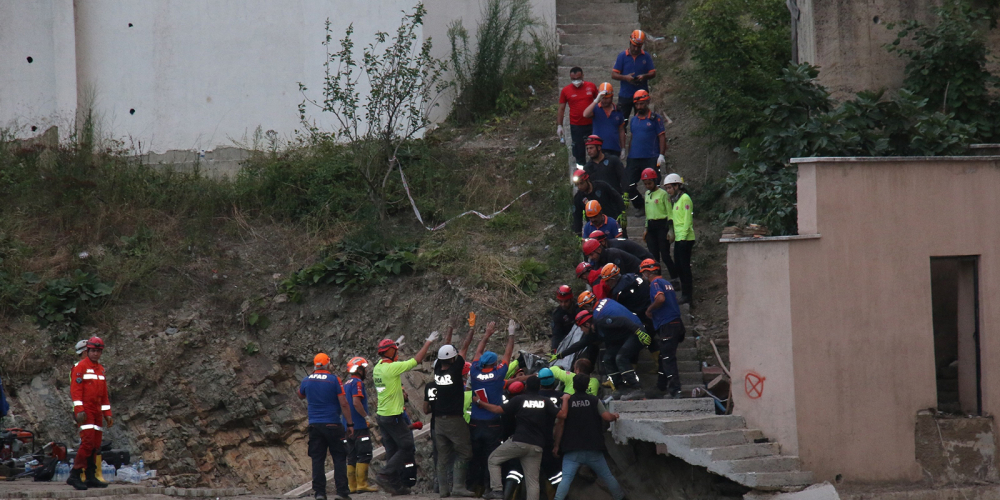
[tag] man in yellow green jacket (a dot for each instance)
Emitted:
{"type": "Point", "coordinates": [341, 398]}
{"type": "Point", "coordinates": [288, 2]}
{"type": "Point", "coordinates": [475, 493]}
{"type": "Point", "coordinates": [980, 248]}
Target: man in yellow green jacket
{"type": "Point", "coordinates": [682, 218]}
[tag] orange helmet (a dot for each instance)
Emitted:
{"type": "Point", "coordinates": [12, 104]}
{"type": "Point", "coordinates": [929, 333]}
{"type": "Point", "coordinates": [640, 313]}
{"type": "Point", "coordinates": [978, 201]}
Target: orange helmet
{"type": "Point", "coordinates": [610, 271]}
{"type": "Point", "coordinates": [638, 37]}
{"type": "Point", "coordinates": [606, 87]}
{"type": "Point", "coordinates": [649, 265]}
{"type": "Point", "coordinates": [355, 363]}
{"type": "Point", "coordinates": [640, 95]}
{"type": "Point", "coordinates": [593, 208]}
{"type": "Point", "coordinates": [586, 299]}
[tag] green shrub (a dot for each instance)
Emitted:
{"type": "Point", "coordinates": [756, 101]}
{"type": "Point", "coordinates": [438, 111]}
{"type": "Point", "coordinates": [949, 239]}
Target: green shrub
{"type": "Point", "coordinates": [528, 274]}
{"type": "Point", "coordinates": [348, 269]}
{"type": "Point", "coordinates": [64, 302]}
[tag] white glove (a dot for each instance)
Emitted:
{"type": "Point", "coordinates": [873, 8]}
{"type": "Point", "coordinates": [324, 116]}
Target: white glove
{"type": "Point", "coordinates": [511, 327]}
{"type": "Point", "coordinates": [433, 336]}
{"type": "Point", "coordinates": [600, 95]}
{"type": "Point", "coordinates": [661, 161]}
{"type": "Point", "coordinates": [559, 131]}
{"type": "Point", "coordinates": [399, 341]}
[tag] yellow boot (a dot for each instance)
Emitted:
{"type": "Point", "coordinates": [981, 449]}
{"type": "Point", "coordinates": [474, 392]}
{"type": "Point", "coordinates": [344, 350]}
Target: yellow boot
{"type": "Point", "coordinates": [97, 468]}
{"type": "Point", "coordinates": [363, 485]}
{"type": "Point", "coordinates": [352, 481]}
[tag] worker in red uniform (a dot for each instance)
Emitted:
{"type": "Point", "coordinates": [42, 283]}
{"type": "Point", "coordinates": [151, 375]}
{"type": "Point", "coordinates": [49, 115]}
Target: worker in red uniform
{"type": "Point", "coordinates": [578, 95]}
{"type": "Point", "coordinates": [92, 408]}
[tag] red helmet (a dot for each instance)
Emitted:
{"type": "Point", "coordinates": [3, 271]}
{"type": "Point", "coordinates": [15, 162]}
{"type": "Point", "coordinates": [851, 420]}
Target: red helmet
{"type": "Point", "coordinates": [95, 343]}
{"type": "Point", "coordinates": [582, 269]}
{"type": "Point", "coordinates": [640, 95]}
{"type": "Point", "coordinates": [638, 37]}
{"type": "Point", "coordinates": [515, 388]}
{"type": "Point", "coordinates": [610, 271]}
{"type": "Point", "coordinates": [355, 363]}
{"type": "Point", "coordinates": [586, 299]}
{"type": "Point", "coordinates": [590, 246]}
{"type": "Point", "coordinates": [598, 235]}
{"type": "Point", "coordinates": [564, 292]}
{"type": "Point", "coordinates": [386, 344]}
{"type": "Point", "coordinates": [593, 140]}
{"type": "Point", "coordinates": [580, 175]}
{"type": "Point", "coordinates": [649, 265]}
{"type": "Point", "coordinates": [648, 174]}
{"type": "Point", "coordinates": [466, 369]}
{"type": "Point", "coordinates": [583, 317]}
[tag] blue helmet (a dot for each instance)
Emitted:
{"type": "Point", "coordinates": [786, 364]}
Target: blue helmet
{"type": "Point", "coordinates": [546, 377]}
{"type": "Point", "coordinates": [488, 358]}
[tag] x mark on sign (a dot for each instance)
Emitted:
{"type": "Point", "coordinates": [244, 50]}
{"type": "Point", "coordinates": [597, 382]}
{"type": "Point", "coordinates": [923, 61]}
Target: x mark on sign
{"type": "Point", "coordinates": [753, 384]}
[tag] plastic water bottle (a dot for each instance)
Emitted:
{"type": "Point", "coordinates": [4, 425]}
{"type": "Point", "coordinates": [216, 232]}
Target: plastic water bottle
{"type": "Point", "coordinates": [27, 467]}
{"type": "Point", "coordinates": [61, 472]}
{"type": "Point", "coordinates": [142, 468]}
{"type": "Point", "coordinates": [107, 471]}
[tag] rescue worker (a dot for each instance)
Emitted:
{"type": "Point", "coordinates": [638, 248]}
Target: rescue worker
{"type": "Point", "coordinates": [634, 68]}
{"type": "Point", "coordinates": [487, 379]}
{"type": "Point", "coordinates": [623, 336]}
{"type": "Point", "coordinates": [682, 218]}
{"type": "Point", "coordinates": [600, 256]}
{"type": "Point", "coordinates": [629, 290]}
{"type": "Point", "coordinates": [609, 122]}
{"type": "Point", "coordinates": [359, 445]}
{"type": "Point", "coordinates": [81, 351]}
{"type": "Point", "coordinates": [588, 190]}
{"type": "Point", "coordinates": [580, 419]}
{"type": "Point", "coordinates": [625, 244]}
{"type": "Point", "coordinates": [397, 436]}
{"type": "Point", "coordinates": [551, 467]}
{"type": "Point", "coordinates": [534, 415]}
{"type": "Point", "coordinates": [577, 95]}
{"type": "Point", "coordinates": [582, 366]}
{"type": "Point", "coordinates": [598, 221]}
{"type": "Point", "coordinates": [604, 167]}
{"type": "Point", "coordinates": [667, 324]}
{"type": "Point", "coordinates": [658, 210]}
{"type": "Point", "coordinates": [451, 431]}
{"type": "Point", "coordinates": [327, 404]}
{"type": "Point", "coordinates": [88, 389]}
{"type": "Point", "coordinates": [647, 146]}
{"type": "Point", "coordinates": [562, 315]}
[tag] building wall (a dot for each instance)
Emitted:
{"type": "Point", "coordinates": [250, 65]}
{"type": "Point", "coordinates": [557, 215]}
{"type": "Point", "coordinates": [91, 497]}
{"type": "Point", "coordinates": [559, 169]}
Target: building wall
{"type": "Point", "coordinates": [861, 309]}
{"type": "Point", "coordinates": [846, 39]}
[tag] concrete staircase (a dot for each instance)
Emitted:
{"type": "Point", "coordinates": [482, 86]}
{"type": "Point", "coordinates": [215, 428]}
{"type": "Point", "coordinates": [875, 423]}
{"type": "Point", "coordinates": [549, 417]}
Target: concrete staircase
{"type": "Point", "coordinates": [690, 430]}
{"type": "Point", "coordinates": [591, 34]}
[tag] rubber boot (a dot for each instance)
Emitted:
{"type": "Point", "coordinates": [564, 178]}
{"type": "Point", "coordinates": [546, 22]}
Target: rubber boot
{"type": "Point", "coordinates": [74, 479]}
{"type": "Point", "coordinates": [352, 479]}
{"type": "Point", "coordinates": [100, 472]}
{"type": "Point", "coordinates": [633, 390]}
{"type": "Point", "coordinates": [460, 475]}
{"type": "Point", "coordinates": [90, 473]}
{"type": "Point", "coordinates": [363, 486]}
{"type": "Point", "coordinates": [617, 385]}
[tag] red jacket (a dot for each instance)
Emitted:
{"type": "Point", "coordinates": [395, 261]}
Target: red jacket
{"type": "Point", "coordinates": [89, 389]}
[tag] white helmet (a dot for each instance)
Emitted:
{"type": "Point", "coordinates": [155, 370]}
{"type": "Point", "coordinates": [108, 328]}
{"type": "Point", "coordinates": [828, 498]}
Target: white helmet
{"type": "Point", "coordinates": [81, 346]}
{"type": "Point", "coordinates": [673, 179]}
{"type": "Point", "coordinates": [447, 352]}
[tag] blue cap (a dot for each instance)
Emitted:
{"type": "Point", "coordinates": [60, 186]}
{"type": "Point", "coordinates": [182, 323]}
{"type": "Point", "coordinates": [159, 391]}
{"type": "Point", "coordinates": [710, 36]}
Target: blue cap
{"type": "Point", "coordinates": [546, 377]}
{"type": "Point", "coordinates": [488, 358]}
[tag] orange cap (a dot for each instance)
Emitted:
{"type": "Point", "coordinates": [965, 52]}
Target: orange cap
{"type": "Point", "coordinates": [321, 360]}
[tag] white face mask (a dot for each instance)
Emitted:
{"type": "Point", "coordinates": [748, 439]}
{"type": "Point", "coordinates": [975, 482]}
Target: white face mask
{"type": "Point", "coordinates": [576, 83]}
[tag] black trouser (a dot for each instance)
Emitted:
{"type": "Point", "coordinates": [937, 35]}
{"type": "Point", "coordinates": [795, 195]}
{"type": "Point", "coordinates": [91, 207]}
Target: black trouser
{"type": "Point", "coordinates": [359, 447]}
{"type": "Point", "coordinates": [579, 134]}
{"type": "Point", "coordinates": [550, 470]}
{"type": "Point", "coordinates": [397, 438]}
{"type": "Point", "coordinates": [658, 243]}
{"type": "Point", "coordinates": [485, 438]}
{"type": "Point", "coordinates": [633, 170]}
{"type": "Point", "coordinates": [618, 361]}
{"type": "Point", "coordinates": [612, 152]}
{"type": "Point", "coordinates": [626, 105]}
{"type": "Point", "coordinates": [682, 257]}
{"type": "Point", "coordinates": [669, 336]}
{"type": "Point", "coordinates": [324, 437]}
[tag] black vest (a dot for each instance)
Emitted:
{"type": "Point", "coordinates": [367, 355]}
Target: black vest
{"type": "Point", "coordinates": [584, 427]}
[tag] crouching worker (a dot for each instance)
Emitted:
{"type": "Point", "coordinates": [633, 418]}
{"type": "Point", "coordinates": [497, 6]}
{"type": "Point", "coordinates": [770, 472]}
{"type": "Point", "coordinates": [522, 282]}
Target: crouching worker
{"type": "Point", "coordinates": [359, 446]}
{"type": "Point", "coordinates": [327, 403]}
{"type": "Point", "coordinates": [579, 435]}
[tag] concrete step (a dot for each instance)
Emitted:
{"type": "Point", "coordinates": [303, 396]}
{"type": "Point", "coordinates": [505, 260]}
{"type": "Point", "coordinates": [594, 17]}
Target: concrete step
{"type": "Point", "coordinates": [687, 354]}
{"type": "Point", "coordinates": [600, 13]}
{"type": "Point", "coordinates": [596, 59]}
{"type": "Point", "coordinates": [692, 378]}
{"type": "Point", "coordinates": [598, 28]}
{"type": "Point", "coordinates": [773, 480]}
{"type": "Point", "coordinates": [689, 366]}
{"type": "Point", "coordinates": [634, 409]}
{"type": "Point", "coordinates": [720, 439]}
{"type": "Point", "coordinates": [619, 40]}
{"type": "Point", "coordinates": [687, 388]}
{"type": "Point", "coordinates": [596, 73]}
{"type": "Point", "coordinates": [741, 451]}
{"type": "Point", "coordinates": [776, 463]}
{"type": "Point", "coordinates": [694, 425]}
{"type": "Point", "coordinates": [611, 50]}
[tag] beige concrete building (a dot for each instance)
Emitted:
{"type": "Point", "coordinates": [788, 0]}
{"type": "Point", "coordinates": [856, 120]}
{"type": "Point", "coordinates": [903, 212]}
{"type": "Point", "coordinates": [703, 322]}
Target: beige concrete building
{"type": "Point", "coordinates": [887, 303]}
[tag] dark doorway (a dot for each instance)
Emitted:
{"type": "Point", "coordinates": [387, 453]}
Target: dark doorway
{"type": "Point", "coordinates": [955, 298]}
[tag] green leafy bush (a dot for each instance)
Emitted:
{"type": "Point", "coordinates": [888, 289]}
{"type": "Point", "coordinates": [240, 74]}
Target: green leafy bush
{"type": "Point", "coordinates": [529, 274]}
{"type": "Point", "coordinates": [353, 268]}
{"type": "Point", "coordinates": [64, 302]}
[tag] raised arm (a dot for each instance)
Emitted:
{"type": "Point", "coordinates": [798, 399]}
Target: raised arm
{"type": "Point", "coordinates": [427, 344]}
{"type": "Point", "coordinates": [511, 338]}
{"type": "Point", "coordinates": [481, 348]}
{"type": "Point", "coordinates": [447, 335]}
{"type": "Point", "coordinates": [466, 342]}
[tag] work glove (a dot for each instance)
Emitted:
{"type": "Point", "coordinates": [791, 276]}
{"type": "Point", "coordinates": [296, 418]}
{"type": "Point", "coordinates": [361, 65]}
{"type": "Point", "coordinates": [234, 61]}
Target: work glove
{"type": "Point", "coordinates": [399, 341]}
{"type": "Point", "coordinates": [661, 161]}
{"type": "Point", "coordinates": [81, 417]}
{"type": "Point", "coordinates": [511, 328]}
{"type": "Point", "coordinates": [643, 337]}
{"type": "Point", "coordinates": [553, 357]}
{"type": "Point", "coordinates": [417, 426]}
{"type": "Point", "coordinates": [472, 320]}
{"type": "Point", "coordinates": [109, 421]}
{"type": "Point", "coordinates": [559, 130]}
{"type": "Point", "coordinates": [433, 336]}
{"type": "Point", "coordinates": [600, 95]}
